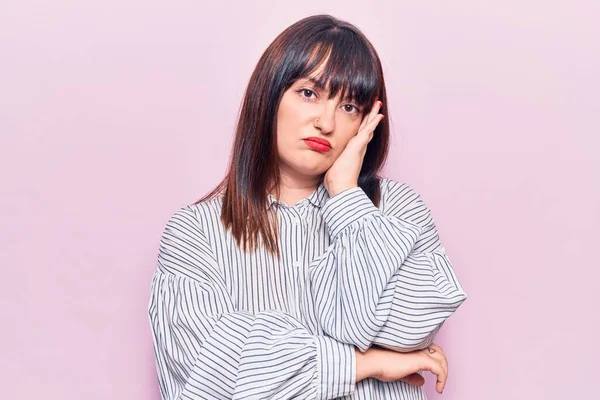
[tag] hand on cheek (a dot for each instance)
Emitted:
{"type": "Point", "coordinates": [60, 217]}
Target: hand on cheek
{"type": "Point", "coordinates": [344, 172]}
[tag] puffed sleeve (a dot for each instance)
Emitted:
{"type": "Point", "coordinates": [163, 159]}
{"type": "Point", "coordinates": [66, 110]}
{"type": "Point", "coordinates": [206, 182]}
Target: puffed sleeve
{"type": "Point", "coordinates": [205, 349]}
{"type": "Point", "coordinates": [385, 279]}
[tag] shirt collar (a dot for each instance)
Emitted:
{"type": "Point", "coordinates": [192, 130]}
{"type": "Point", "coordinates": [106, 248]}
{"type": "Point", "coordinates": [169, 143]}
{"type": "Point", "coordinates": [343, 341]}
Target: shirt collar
{"type": "Point", "coordinates": [317, 198]}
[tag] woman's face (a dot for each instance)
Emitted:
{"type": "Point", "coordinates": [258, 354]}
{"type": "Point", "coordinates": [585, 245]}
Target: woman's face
{"type": "Point", "coordinates": [306, 117]}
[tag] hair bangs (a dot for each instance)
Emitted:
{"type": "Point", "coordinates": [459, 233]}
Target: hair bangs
{"type": "Point", "coordinates": [342, 64]}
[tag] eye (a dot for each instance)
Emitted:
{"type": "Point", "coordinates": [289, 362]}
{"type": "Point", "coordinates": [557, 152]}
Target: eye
{"type": "Point", "coordinates": [351, 109]}
{"type": "Point", "coordinates": [306, 93]}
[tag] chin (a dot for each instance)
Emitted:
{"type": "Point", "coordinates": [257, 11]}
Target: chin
{"type": "Point", "coordinates": [311, 169]}
{"type": "Point", "coordinates": [307, 164]}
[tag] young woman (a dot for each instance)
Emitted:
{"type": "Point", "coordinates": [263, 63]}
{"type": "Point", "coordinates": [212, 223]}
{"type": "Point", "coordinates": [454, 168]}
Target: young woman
{"type": "Point", "coordinates": [304, 274]}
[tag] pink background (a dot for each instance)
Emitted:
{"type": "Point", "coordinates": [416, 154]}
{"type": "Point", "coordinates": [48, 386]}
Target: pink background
{"type": "Point", "coordinates": [113, 114]}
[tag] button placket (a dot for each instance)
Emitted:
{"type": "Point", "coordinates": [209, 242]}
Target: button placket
{"type": "Point", "coordinates": [297, 260]}
{"type": "Point", "coordinates": [297, 236]}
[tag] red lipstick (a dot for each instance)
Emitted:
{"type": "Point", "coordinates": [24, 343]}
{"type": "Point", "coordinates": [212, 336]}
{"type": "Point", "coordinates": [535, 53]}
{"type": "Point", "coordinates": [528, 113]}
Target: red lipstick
{"type": "Point", "coordinates": [318, 144]}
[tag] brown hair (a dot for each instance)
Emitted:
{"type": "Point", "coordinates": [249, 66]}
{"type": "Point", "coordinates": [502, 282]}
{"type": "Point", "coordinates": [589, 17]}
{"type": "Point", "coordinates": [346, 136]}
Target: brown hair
{"type": "Point", "coordinates": [352, 68]}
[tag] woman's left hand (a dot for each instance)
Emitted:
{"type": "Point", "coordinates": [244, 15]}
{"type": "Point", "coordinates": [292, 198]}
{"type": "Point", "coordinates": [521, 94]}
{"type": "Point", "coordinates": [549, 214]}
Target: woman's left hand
{"type": "Point", "coordinates": [344, 172]}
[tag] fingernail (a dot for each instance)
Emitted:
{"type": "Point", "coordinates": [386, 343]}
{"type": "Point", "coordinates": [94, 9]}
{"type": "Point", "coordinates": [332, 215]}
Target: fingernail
{"type": "Point", "coordinates": [377, 99]}
{"type": "Point", "coordinates": [380, 104]}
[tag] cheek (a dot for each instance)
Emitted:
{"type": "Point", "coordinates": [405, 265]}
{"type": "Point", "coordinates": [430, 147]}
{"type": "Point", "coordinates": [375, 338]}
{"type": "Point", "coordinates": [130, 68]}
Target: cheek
{"type": "Point", "coordinates": [288, 124]}
{"type": "Point", "coordinates": [347, 132]}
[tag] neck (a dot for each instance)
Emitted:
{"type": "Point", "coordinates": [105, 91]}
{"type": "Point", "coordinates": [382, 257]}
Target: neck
{"type": "Point", "coordinates": [294, 187]}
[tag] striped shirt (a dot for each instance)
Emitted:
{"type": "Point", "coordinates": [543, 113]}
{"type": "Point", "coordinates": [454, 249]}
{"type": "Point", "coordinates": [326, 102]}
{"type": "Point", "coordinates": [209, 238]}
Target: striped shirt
{"type": "Point", "coordinates": [233, 325]}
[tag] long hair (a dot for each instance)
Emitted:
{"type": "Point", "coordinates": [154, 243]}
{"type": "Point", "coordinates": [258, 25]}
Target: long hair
{"type": "Point", "coordinates": [352, 68]}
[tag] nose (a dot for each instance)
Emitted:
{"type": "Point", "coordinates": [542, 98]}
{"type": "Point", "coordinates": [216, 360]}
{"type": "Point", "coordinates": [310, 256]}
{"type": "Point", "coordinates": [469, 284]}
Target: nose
{"type": "Point", "coordinates": [325, 122]}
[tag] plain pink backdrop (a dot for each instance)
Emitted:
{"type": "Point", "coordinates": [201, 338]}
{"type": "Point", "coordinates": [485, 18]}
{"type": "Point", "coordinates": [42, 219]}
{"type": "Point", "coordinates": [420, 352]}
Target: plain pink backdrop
{"type": "Point", "coordinates": [113, 114]}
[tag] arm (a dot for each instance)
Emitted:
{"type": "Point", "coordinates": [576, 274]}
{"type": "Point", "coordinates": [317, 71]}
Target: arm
{"type": "Point", "coordinates": [206, 349]}
{"type": "Point", "coordinates": [385, 279]}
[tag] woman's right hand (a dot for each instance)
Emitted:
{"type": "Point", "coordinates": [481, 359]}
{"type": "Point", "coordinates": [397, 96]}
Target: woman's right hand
{"type": "Point", "coordinates": [387, 365]}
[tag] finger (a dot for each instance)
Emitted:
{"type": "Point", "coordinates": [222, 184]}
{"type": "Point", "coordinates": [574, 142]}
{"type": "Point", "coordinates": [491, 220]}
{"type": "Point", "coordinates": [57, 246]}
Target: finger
{"type": "Point", "coordinates": [369, 129]}
{"type": "Point", "coordinates": [441, 380]}
{"type": "Point", "coordinates": [415, 379]}
{"type": "Point", "coordinates": [370, 125]}
{"type": "Point", "coordinates": [374, 111]}
{"type": "Point", "coordinates": [440, 384]}
{"type": "Point", "coordinates": [436, 368]}
{"type": "Point", "coordinates": [437, 353]}
{"type": "Point", "coordinates": [364, 136]}
{"type": "Point", "coordinates": [369, 117]}
{"type": "Point", "coordinates": [445, 364]}
{"type": "Point", "coordinates": [375, 108]}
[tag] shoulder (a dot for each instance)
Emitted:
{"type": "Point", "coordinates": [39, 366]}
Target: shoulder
{"type": "Point", "coordinates": [195, 217]}
{"type": "Point", "coordinates": [401, 200]}
{"type": "Point", "coordinates": [184, 248]}
{"type": "Point", "coordinates": [208, 211]}
{"type": "Point", "coordinates": [181, 222]}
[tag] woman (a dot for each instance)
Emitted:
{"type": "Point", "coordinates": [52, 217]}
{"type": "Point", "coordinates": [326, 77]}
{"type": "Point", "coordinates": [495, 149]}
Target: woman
{"type": "Point", "coordinates": [304, 274]}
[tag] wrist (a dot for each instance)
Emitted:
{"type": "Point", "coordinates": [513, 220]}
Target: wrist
{"type": "Point", "coordinates": [334, 190]}
{"type": "Point", "coordinates": [367, 365]}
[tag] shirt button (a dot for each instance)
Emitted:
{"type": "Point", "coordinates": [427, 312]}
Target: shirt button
{"type": "Point", "coordinates": [296, 264]}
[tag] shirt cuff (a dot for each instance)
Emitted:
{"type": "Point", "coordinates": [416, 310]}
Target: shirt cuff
{"type": "Point", "coordinates": [345, 208]}
{"type": "Point", "coordinates": [336, 368]}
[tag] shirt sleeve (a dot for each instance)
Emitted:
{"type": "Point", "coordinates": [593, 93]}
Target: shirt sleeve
{"type": "Point", "coordinates": [206, 349]}
{"type": "Point", "coordinates": [385, 279]}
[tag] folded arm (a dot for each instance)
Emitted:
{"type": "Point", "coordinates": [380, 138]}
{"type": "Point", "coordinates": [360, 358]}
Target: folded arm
{"type": "Point", "coordinates": [385, 279]}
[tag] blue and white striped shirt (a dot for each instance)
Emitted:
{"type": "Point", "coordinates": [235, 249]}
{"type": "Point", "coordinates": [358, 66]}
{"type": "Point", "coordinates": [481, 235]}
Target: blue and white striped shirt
{"type": "Point", "coordinates": [233, 325]}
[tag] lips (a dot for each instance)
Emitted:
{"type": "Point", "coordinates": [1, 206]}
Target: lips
{"type": "Point", "coordinates": [321, 148]}
{"type": "Point", "coordinates": [320, 141]}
